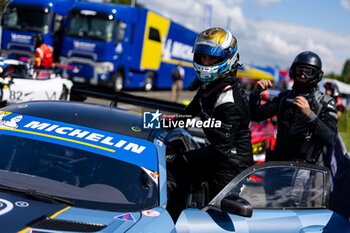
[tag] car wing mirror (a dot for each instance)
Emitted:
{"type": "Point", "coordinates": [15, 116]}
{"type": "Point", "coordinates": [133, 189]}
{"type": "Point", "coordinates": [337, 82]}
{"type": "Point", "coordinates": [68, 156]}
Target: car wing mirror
{"type": "Point", "coordinates": [233, 204]}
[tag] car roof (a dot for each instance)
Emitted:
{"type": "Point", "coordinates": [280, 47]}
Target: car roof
{"type": "Point", "coordinates": [90, 115]}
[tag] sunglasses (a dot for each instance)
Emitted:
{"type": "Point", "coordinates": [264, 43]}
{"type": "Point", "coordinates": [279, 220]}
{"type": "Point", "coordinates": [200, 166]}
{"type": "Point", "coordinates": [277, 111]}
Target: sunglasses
{"type": "Point", "coordinates": [308, 72]}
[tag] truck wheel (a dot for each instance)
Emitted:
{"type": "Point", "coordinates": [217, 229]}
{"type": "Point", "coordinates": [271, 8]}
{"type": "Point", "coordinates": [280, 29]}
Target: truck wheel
{"type": "Point", "coordinates": [118, 81]}
{"type": "Point", "coordinates": [149, 82]}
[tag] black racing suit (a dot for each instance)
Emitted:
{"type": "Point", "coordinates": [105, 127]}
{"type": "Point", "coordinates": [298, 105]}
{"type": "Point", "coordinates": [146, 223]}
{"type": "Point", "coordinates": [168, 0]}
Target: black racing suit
{"type": "Point", "coordinates": [299, 137]}
{"type": "Point", "coordinates": [230, 149]}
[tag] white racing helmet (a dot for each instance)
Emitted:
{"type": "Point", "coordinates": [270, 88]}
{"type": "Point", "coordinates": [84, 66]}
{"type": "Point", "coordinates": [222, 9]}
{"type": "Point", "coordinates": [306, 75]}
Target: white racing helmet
{"type": "Point", "coordinates": [216, 42]}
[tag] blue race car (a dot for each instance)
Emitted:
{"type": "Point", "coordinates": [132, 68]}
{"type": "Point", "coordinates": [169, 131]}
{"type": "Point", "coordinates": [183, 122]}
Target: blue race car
{"type": "Point", "coordinates": [80, 167]}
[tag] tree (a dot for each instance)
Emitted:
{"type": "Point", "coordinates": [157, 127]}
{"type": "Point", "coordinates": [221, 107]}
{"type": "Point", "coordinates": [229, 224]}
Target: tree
{"type": "Point", "coordinates": [2, 5]}
{"type": "Point", "coordinates": [331, 76]}
{"type": "Point", "coordinates": [346, 71]}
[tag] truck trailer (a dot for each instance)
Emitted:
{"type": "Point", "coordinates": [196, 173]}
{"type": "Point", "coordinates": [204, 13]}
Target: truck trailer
{"type": "Point", "coordinates": [120, 46]}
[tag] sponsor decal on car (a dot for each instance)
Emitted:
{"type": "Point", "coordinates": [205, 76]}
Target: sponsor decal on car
{"type": "Point", "coordinates": [125, 217]}
{"type": "Point", "coordinates": [153, 175]}
{"type": "Point", "coordinates": [133, 150]}
{"type": "Point", "coordinates": [151, 213]}
{"type": "Point", "coordinates": [5, 206]}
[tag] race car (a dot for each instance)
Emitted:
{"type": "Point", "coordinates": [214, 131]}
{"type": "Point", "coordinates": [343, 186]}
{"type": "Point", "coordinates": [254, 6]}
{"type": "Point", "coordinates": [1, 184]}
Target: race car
{"type": "Point", "coordinates": [82, 167]}
{"type": "Point", "coordinates": [19, 83]}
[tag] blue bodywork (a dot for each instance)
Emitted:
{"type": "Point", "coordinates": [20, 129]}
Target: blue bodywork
{"type": "Point", "coordinates": [263, 221]}
{"type": "Point", "coordinates": [52, 134]}
{"type": "Point", "coordinates": [17, 36]}
{"type": "Point", "coordinates": [125, 49]}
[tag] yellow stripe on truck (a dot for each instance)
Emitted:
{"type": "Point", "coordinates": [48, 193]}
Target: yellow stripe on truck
{"type": "Point", "coordinates": [151, 49]}
{"type": "Point", "coordinates": [173, 61]}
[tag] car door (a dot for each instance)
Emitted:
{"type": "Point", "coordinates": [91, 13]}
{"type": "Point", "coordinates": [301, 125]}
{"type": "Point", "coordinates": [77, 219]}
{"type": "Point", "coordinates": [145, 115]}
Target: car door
{"type": "Point", "coordinates": [292, 197]}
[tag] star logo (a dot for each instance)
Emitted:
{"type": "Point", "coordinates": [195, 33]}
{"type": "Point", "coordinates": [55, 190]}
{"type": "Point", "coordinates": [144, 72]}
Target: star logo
{"type": "Point", "coordinates": [151, 120]}
{"type": "Point", "coordinates": [155, 115]}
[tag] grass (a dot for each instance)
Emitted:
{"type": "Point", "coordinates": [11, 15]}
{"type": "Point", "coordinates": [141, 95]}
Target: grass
{"type": "Point", "coordinates": [344, 128]}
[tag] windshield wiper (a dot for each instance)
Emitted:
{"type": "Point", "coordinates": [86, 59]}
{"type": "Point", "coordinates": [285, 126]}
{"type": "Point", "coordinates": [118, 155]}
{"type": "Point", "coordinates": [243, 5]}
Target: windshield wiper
{"type": "Point", "coordinates": [31, 193]}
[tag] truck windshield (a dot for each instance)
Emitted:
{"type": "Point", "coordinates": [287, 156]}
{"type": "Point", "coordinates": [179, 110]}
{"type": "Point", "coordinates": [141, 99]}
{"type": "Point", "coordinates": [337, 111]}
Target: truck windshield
{"type": "Point", "coordinates": [99, 26]}
{"type": "Point", "coordinates": [89, 180]}
{"type": "Point", "coordinates": [27, 18]}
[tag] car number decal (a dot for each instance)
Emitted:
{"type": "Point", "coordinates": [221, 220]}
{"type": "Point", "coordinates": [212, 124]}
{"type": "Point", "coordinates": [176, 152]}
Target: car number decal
{"type": "Point", "coordinates": [15, 95]}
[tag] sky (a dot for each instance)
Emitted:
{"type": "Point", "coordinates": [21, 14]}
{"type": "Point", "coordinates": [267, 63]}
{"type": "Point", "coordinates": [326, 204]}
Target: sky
{"type": "Point", "coordinates": [271, 32]}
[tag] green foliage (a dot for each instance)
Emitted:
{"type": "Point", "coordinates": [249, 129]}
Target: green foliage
{"type": "Point", "coordinates": [345, 75]}
{"type": "Point", "coordinates": [344, 128]}
{"type": "Point", "coordinates": [346, 68]}
{"type": "Point", "coordinates": [2, 5]}
{"type": "Point", "coordinates": [331, 76]}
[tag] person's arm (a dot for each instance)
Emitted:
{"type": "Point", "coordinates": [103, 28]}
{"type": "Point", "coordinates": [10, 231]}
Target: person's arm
{"type": "Point", "coordinates": [38, 57]}
{"type": "Point", "coordinates": [325, 125]}
{"type": "Point", "coordinates": [340, 108]}
{"type": "Point", "coordinates": [189, 112]}
{"type": "Point", "coordinates": [193, 107]}
{"type": "Point", "coordinates": [260, 112]}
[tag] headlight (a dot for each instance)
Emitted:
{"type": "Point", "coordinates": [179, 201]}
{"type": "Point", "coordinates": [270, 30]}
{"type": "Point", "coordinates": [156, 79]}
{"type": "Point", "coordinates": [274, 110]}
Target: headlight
{"type": "Point", "coordinates": [104, 68]}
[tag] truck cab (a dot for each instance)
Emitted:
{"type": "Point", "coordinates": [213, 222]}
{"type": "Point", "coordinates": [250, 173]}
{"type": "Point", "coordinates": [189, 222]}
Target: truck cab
{"type": "Point", "coordinates": [23, 19]}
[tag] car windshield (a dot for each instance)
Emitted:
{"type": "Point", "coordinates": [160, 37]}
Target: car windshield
{"type": "Point", "coordinates": [90, 25]}
{"type": "Point", "coordinates": [27, 18]}
{"type": "Point", "coordinates": [15, 71]}
{"type": "Point", "coordinates": [89, 180]}
{"type": "Point", "coordinates": [283, 187]}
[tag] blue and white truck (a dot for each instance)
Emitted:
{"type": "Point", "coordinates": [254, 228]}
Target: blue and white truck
{"type": "Point", "coordinates": [120, 46]}
{"type": "Point", "coordinates": [23, 19]}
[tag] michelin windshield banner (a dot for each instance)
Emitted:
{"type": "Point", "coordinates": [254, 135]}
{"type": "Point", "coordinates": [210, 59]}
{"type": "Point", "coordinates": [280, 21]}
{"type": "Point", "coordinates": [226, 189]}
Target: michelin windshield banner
{"type": "Point", "coordinates": [132, 150]}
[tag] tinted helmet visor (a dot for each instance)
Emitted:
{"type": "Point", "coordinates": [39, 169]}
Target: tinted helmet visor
{"type": "Point", "coordinates": [308, 71]}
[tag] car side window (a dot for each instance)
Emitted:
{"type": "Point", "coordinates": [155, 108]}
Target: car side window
{"type": "Point", "coordinates": [283, 187]}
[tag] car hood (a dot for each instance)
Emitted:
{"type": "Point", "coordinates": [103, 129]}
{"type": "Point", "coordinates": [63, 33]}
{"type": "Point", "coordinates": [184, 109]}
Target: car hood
{"type": "Point", "coordinates": [18, 213]}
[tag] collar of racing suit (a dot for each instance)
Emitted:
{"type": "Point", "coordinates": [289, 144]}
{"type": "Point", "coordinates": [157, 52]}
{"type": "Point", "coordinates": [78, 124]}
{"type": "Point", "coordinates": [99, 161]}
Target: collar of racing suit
{"type": "Point", "coordinates": [212, 89]}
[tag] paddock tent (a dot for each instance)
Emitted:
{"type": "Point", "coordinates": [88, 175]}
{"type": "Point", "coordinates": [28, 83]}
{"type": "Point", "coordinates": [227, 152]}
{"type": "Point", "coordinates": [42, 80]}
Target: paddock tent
{"type": "Point", "coordinates": [251, 72]}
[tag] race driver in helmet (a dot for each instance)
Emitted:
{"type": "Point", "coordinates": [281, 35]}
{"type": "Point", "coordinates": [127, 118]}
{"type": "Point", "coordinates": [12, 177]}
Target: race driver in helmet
{"type": "Point", "coordinates": [333, 90]}
{"type": "Point", "coordinates": [220, 97]}
{"type": "Point", "coordinates": [306, 117]}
